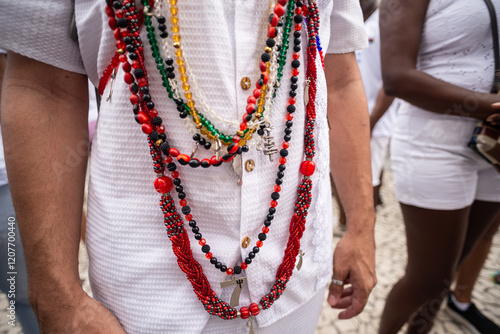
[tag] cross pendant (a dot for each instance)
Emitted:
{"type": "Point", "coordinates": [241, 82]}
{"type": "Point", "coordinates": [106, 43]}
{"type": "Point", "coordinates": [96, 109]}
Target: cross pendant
{"type": "Point", "coordinates": [239, 283]}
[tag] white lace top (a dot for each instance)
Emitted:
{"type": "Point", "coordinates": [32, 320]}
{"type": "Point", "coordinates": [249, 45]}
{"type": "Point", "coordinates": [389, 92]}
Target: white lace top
{"type": "Point", "coordinates": [132, 268]}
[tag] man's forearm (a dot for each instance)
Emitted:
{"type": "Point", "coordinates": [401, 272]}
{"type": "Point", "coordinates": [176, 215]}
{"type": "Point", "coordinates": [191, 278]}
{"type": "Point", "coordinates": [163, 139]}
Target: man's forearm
{"type": "Point", "coordinates": [44, 126]}
{"type": "Point", "coordinates": [349, 140]}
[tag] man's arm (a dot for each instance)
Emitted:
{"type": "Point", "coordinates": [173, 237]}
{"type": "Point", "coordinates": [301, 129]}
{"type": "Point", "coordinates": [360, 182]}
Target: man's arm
{"type": "Point", "coordinates": [354, 257]}
{"type": "Point", "coordinates": [44, 126]}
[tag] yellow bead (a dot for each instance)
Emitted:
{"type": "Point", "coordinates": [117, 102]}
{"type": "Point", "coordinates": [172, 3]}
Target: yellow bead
{"type": "Point", "coordinates": [175, 28]}
{"type": "Point", "coordinates": [176, 38]}
{"type": "Point", "coordinates": [188, 95]}
{"type": "Point", "coordinates": [211, 136]}
{"type": "Point", "coordinates": [174, 19]}
{"type": "Point", "coordinates": [258, 115]}
{"type": "Point", "coordinates": [173, 2]}
{"type": "Point", "coordinates": [196, 119]}
{"type": "Point", "coordinates": [240, 133]}
{"type": "Point", "coordinates": [248, 136]}
{"type": "Point", "coordinates": [251, 131]}
{"type": "Point", "coordinates": [182, 69]}
{"type": "Point", "coordinates": [180, 61]}
{"type": "Point", "coordinates": [184, 78]}
{"type": "Point", "coordinates": [178, 52]}
{"type": "Point", "coordinates": [174, 10]}
{"type": "Point", "coordinates": [268, 49]}
{"type": "Point", "coordinates": [198, 125]}
{"type": "Point", "coordinates": [186, 86]}
{"type": "Point", "coordinates": [190, 103]}
{"type": "Point", "coordinates": [203, 130]}
{"type": "Point", "coordinates": [177, 45]}
{"type": "Point", "coordinates": [242, 142]}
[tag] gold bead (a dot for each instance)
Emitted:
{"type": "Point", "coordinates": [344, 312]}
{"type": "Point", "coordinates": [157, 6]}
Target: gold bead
{"type": "Point", "coordinates": [196, 119]}
{"type": "Point", "coordinates": [180, 61]}
{"type": "Point", "coordinates": [190, 103]}
{"type": "Point", "coordinates": [258, 115]}
{"type": "Point", "coordinates": [178, 52]}
{"type": "Point", "coordinates": [198, 125]}
{"type": "Point", "coordinates": [158, 142]}
{"type": "Point", "coordinates": [182, 69]}
{"type": "Point", "coordinates": [211, 136]}
{"type": "Point", "coordinates": [184, 78]}
{"type": "Point", "coordinates": [186, 86]}
{"type": "Point", "coordinates": [242, 142]}
{"type": "Point", "coordinates": [188, 95]}
{"type": "Point", "coordinates": [240, 133]}
{"type": "Point", "coordinates": [174, 19]}
{"type": "Point", "coordinates": [173, 2]}
{"type": "Point", "coordinates": [176, 45]}
{"type": "Point", "coordinates": [174, 10]}
{"type": "Point", "coordinates": [175, 28]}
{"type": "Point", "coordinates": [248, 136]}
{"type": "Point", "coordinates": [268, 49]}
{"type": "Point", "coordinates": [203, 130]}
{"type": "Point", "coordinates": [176, 38]}
{"type": "Point", "coordinates": [120, 51]}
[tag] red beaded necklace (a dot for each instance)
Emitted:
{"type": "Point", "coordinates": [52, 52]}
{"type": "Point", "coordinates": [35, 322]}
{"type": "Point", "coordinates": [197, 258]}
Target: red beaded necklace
{"type": "Point", "coordinates": [127, 25]}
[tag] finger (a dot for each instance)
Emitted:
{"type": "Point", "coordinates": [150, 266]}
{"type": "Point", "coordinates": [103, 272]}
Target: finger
{"type": "Point", "coordinates": [358, 302]}
{"type": "Point", "coordinates": [334, 294]}
{"type": "Point", "coordinates": [493, 118]}
{"type": "Point", "coordinates": [344, 302]}
{"type": "Point", "coordinates": [495, 105]}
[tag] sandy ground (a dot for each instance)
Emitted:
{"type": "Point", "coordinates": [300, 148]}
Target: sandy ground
{"type": "Point", "coordinates": [391, 259]}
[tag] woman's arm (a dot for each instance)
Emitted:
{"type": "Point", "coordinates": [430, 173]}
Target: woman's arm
{"type": "Point", "coordinates": [400, 42]}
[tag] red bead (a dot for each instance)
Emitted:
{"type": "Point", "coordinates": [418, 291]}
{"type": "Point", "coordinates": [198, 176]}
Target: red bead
{"type": "Point", "coordinates": [289, 117]}
{"type": "Point", "coordinates": [295, 72]}
{"type": "Point", "coordinates": [259, 243]}
{"type": "Point", "coordinates": [274, 20]}
{"type": "Point", "coordinates": [117, 34]}
{"type": "Point", "coordinates": [279, 10]}
{"type": "Point", "coordinates": [135, 64]}
{"type": "Point", "coordinates": [285, 144]}
{"type": "Point", "coordinates": [296, 55]}
{"type": "Point", "coordinates": [243, 126]}
{"type": "Point", "coordinates": [147, 128]}
{"type": "Point", "coordinates": [245, 312]}
{"type": "Point", "coordinates": [206, 160]}
{"type": "Point", "coordinates": [282, 2]}
{"type": "Point", "coordinates": [160, 129]}
{"type": "Point", "coordinates": [254, 309]}
{"type": "Point", "coordinates": [291, 100]}
{"type": "Point", "coordinates": [233, 148]}
{"type": "Point", "coordinates": [189, 217]}
{"type": "Point", "coordinates": [271, 32]}
{"type": "Point", "coordinates": [209, 255]}
{"type": "Point", "coordinates": [122, 58]}
{"type": "Point", "coordinates": [142, 118]}
{"type": "Point", "coordinates": [163, 184]}
{"type": "Point", "coordinates": [298, 10]}
{"type": "Point", "coordinates": [134, 99]}
{"type": "Point", "coordinates": [153, 112]}
{"type": "Point", "coordinates": [126, 67]}
{"type": "Point", "coordinates": [250, 108]}
{"type": "Point", "coordinates": [143, 82]}
{"type": "Point", "coordinates": [183, 202]}
{"type": "Point", "coordinates": [202, 242]}
{"type": "Point", "coordinates": [263, 66]}
{"type": "Point", "coordinates": [128, 78]}
{"type": "Point", "coordinates": [265, 229]}
{"type": "Point", "coordinates": [277, 188]}
{"type": "Point", "coordinates": [256, 93]}
{"type": "Point", "coordinates": [109, 11]}
{"type": "Point", "coordinates": [168, 159]}
{"type": "Point", "coordinates": [213, 160]}
{"type": "Point", "coordinates": [251, 99]}
{"type": "Point", "coordinates": [112, 23]}
{"type": "Point", "coordinates": [307, 168]}
{"type": "Point", "coordinates": [243, 266]}
{"type": "Point", "coordinates": [282, 160]}
{"type": "Point", "coordinates": [183, 157]}
{"type": "Point", "coordinates": [274, 204]}
{"type": "Point", "coordinates": [229, 271]}
{"type": "Point", "coordinates": [266, 77]}
{"type": "Point", "coordinates": [173, 152]}
{"type": "Point", "coordinates": [236, 139]}
{"type": "Point", "coordinates": [298, 27]}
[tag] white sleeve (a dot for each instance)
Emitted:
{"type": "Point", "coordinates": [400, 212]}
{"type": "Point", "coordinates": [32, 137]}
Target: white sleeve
{"type": "Point", "coordinates": [347, 32]}
{"type": "Point", "coordinates": [40, 30]}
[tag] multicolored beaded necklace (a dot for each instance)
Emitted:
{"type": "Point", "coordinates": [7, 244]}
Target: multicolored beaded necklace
{"type": "Point", "coordinates": [124, 20]}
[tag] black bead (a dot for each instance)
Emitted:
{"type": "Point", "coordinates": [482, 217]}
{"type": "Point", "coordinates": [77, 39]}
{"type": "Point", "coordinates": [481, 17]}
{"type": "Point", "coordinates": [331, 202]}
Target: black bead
{"type": "Point", "coordinates": [271, 42]}
{"type": "Point", "coordinates": [245, 148]}
{"type": "Point", "coordinates": [180, 108]}
{"type": "Point", "coordinates": [157, 121]}
{"type": "Point", "coordinates": [164, 34]}
{"type": "Point", "coordinates": [288, 131]}
{"type": "Point", "coordinates": [138, 73]}
{"type": "Point", "coordinates": [161, 19]}
{"type": "Point", "coordinates": [181, 195]}
{"type": "Point", "coordinates": [287, 137]}
{"type": "Point", "coordinates": [196, 137]}
{"type": "Point", "coordinates": [153, 136]}
{"type": "Point", "coordinates": [237, 270]}
{"type": "Point", "coordinates": [134, 87]}
{"type": "Point", "coordinates": [294, 79]}
{"type": "Point", "coordinates": [290, 108]}
{"type": "Point", "coordinates": [260, 82]}
{"type": "Point", "coordinates": [130, 48]}
{"type": "Point", "coordinates": [163, 136]}
{"type": "Point", "coordinates": [270, 217]}
{"type": "Point", "coordinates": [218, 265]}
{"type": "Point", "coordinates": [296, 34]}
{"type": "Point", "coordinates": [295, 64]}
{"type": "Point", "coordinates": [117, 4]}
{"type": "Point", "coordinates": [289, 124]}
{"type": "Point", "coordinates": [267, 223]}
{"type": "Point", "coordinates": [192, 223]}
{"type": "Point", "coordinates": [183, 114]}
{"type": "Point", "coordinates": [265, 57]}
{"type": "Point", "coordinates": [183, 162]}
{"type": "Point", "coordinates": [296, 48]}
{"type": "Point", "coordinates": [194, 163]}
{"type": "Point", "coordinates": [202, 141]}
{"type": "Point", "coordinates": [205, 248]}
{"type": "Point", "coordinates": [262, 236]}
{"type": "Point", "coordinates": [186, 210]}
{"type": "Point", "coordinates": [145, 90]}
{"type": "Point", "coordinates": [239, 150]}
{"type": "Point", "coordinates": [165, 147]}
{"type": "Point", "coordinates": [213, 260]}
{"type": "Point", "coordinates": [171, 167]}
{"type": "Point", "coordinates": [299, 3]}
{"type": "Point", "coordinates": [275, 196]}
{"type": "Point", "coordinates": [226, 157]}
{"type": "Point", "coordinates": [251, 255]}
{"type": "Point", "coordinates": [282, 168]}
{"type": "Point", "coordinates": [162, 27]}
{"type": "Point", "coordinates": [260, 132]}
{"type": "Point", "coordinates": [272, 210]}
{"type": "Point", "coordinates": [198, 236]}
{"type": "Point", "coordinates": [293, 93]}
{"type": "Point", "coordinates": [179, 188]}
{"type": "Point", "coordinates": [223, 268]}
{"type": "Point", "coordinates": [279, 180]}
{"type": "Point", "coordinates": [248, 117]}
{"type": "Point", "coordinates": [207, 145]}
{"type": "Point", "coordinates": [256, 249]}
{"type": "Point", "coordinates": [294, 86]}
{"type": "Point", "coordinates": [132, 56]}
{"type": "Point", "coordinates": [298, 18]}
{"type": "Point", "coordinates": [135, 108]}
{"type": "Point", "coordinates": [177, 182]}
{"type": "Point", "coordinates": [171, 75]}
{"type": "Point", "coordinates": [205, 164]}
{"type": "Point", "coordinates": [195, 229]}
{"type": "Point", "coordinates": [169, 62]}
{"type": "Point", "coordinates": [122, 22]}
{"type": "Point", "coordinates": [146, 97]}
{"type": "Point", "coordinates": [297, 41]}
{"type": "Point", "coordinates": [127, 40]}
{"type": "Point", "coordinates": [150, 105]}
{"type": "Point", "coordinates": [280, 175]}
{"type": "Point", "coordinates": [169, 68]}
{"type": "Point", "coordinates": [248, 260]}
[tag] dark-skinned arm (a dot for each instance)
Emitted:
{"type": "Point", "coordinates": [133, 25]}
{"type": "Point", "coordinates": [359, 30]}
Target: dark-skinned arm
{"type": "Point", "coordinates": [400, 42]}
{"type": "Point", "coordinates": [44, 125]}
{"type": "Point", "coordinates": [354, 256]}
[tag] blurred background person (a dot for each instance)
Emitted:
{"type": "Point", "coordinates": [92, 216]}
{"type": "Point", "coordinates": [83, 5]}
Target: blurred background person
{"type": "Point", "coordinates": [438, 56]}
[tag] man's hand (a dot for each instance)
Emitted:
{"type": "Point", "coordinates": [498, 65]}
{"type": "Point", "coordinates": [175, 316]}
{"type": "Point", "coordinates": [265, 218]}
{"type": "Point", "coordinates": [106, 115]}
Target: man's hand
{"type": "Point", "coordinates": [353, 263]}
{"type": "Point", "coordinates": [83, 315]}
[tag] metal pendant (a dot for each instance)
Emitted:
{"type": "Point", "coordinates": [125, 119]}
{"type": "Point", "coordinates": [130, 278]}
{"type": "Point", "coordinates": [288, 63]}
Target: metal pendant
{"type": "Point", "coordinates": [238, 168]}
{"type": "Point", "coordinates": [239, 283]}
{"type": "Point", "coordinates": [218, 147]}
{"type": "Point", "coordinates": [301, 255]}
{"type": "Point", "coordinates": [113, 76]}
{"type": "Point", "coordinates": [270, 147]}
{"type": "Point", "coordinates": [306, 92]}
{"type": "Point", "coordinates": [250, 325]}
